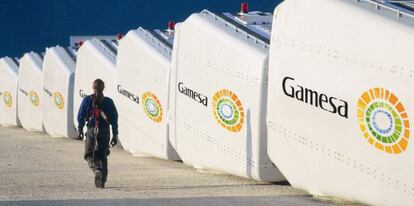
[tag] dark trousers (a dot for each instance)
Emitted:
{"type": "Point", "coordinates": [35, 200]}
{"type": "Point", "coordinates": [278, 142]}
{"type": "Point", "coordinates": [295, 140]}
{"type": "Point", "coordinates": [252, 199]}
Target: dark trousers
{"type": "Point", "coordinates": [99, 160]}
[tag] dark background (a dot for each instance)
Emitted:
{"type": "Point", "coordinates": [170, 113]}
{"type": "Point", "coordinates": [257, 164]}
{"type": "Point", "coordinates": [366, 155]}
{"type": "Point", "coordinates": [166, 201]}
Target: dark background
{"type": "Point", "coordinates": [33, 25]}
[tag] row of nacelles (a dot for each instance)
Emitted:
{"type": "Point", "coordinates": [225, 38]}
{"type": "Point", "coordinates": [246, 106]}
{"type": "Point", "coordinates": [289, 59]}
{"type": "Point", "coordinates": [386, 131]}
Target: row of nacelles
{"type": "Point", "coordinates": [279, 39]}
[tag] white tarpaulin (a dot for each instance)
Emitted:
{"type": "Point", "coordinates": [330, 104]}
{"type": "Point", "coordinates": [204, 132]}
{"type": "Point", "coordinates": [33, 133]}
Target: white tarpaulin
{"type": "Point", "coordinates": [218, 93]}
{"type": "Point", "coordinates": [9, 71]}
{"type": "Point", "coordinates": [30, 90]}
{"type": "Point", "coordinates": [143, 70]}
{"type": "Point", "coordinates": [96, 59]}
{"type": "Point", "coordinates": [57, 93]}
{"type": "Point", "coordinates": [340, 100]}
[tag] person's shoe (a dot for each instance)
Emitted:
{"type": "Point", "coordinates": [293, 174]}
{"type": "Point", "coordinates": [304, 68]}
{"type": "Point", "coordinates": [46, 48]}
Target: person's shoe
{"type": "Point", "coordinates": [78, 138]}
{"type": "Point", "coordinates": [91, 164]}
{"type": "Point", "coordinates": [98, 179]}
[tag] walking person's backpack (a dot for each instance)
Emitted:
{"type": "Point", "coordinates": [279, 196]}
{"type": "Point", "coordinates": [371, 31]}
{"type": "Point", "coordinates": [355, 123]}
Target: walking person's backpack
{"type": "Point", "coordinates": [96, 114]}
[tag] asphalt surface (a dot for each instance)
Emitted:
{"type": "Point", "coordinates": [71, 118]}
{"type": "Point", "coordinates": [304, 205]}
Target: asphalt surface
{"type": "Point", "coordinates": [36, 169]}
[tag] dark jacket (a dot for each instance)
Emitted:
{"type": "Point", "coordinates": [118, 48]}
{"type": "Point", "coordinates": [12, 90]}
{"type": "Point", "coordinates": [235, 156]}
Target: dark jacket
{"type": "Point", "coordinates": [107, 106]}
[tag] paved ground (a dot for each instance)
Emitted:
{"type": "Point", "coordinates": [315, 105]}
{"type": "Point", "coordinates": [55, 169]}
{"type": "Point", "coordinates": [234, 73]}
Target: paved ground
{"type": "Point", "coordinates": [36, 169]}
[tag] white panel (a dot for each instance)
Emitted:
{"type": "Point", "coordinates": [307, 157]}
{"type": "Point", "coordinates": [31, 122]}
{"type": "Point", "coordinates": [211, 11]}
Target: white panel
{"type": "Point", "coordinates": [210, 57]}
{"type": "Point", "coordinates": [57, 93]}
{"type": "Point", "coordinates": [8, 92]}
{"type": "Point", "coordinates": [93, 61]}
{"type": "Point", "coordinates": [323, 144]}
{"type": "Point", "coordinates": [30, 90]}
{"type": "Point", "coordinates": [143, 71]}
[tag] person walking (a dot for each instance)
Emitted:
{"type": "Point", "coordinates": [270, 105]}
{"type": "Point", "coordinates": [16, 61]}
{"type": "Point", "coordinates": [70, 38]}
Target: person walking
{"type": "Point", "coordinates": [100, 113]}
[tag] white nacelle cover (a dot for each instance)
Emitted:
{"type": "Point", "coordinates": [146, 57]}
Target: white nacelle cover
{"type": "Point", "coordinates": [95, 60]}
{"type": "Point", "coordinates": [74, 41]}
{"type": "Point", "coordinates": [57, 93]}
{"type": "Point", "coordinates": [341, 100]}
{"type": "Point", "coordinates": [9, 70]}
{"type": "Point", "coordinates": [143, 70]}
{"type": "Point", "coordinates": [218, 98]}
{"type": "Point", "coordinates": [29, 92]}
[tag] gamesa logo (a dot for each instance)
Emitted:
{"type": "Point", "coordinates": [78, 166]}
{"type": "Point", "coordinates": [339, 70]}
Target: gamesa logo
{"type": "Point", "coordinates": [58, 100]}
{"type": "Point", "coordinates": [152, 106]}
{"type": "Point", "coordinates": [128, 94]}
{"type": "Point", "coordinates": [7, 99]}
{"type": "Point", "coordinates": [228, 110]}
{"type": "Point", "coordinates": [314, 98]}
{"type": "Point", "coordinates": [196, 96]}
{"type": "Point", "coordinates": [34, 98]}
{"type": "Point", "coordinates": [383, 120]}
{"type": "Point", "coordinates": [82, 93]}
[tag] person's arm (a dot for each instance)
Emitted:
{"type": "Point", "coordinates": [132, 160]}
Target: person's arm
{"type": "Point", "coordinates": [114, 123]}
{"type": "Point", "coordinates": [82, 113]}
{"type": "Point", "coordinates": [114, 119]}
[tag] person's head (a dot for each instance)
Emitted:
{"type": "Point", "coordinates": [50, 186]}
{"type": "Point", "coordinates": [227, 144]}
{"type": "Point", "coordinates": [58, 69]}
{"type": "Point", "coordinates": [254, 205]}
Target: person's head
{"type": "Point", "coordinates": [98, 87]}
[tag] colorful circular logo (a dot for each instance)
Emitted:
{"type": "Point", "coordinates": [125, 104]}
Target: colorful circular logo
{"type": "Point", "coordinates": [152, 106]}
{"type": "Point", "coordinates": [383, 120]}
{"type": "Point", "coordinates": [228, 110]}
{"type": "Point", "coordinates": [58, 100]}
{"type": "Point", "coordinates": [7, 99]}
{"type": "Point", "coordinates": [34, 98]}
